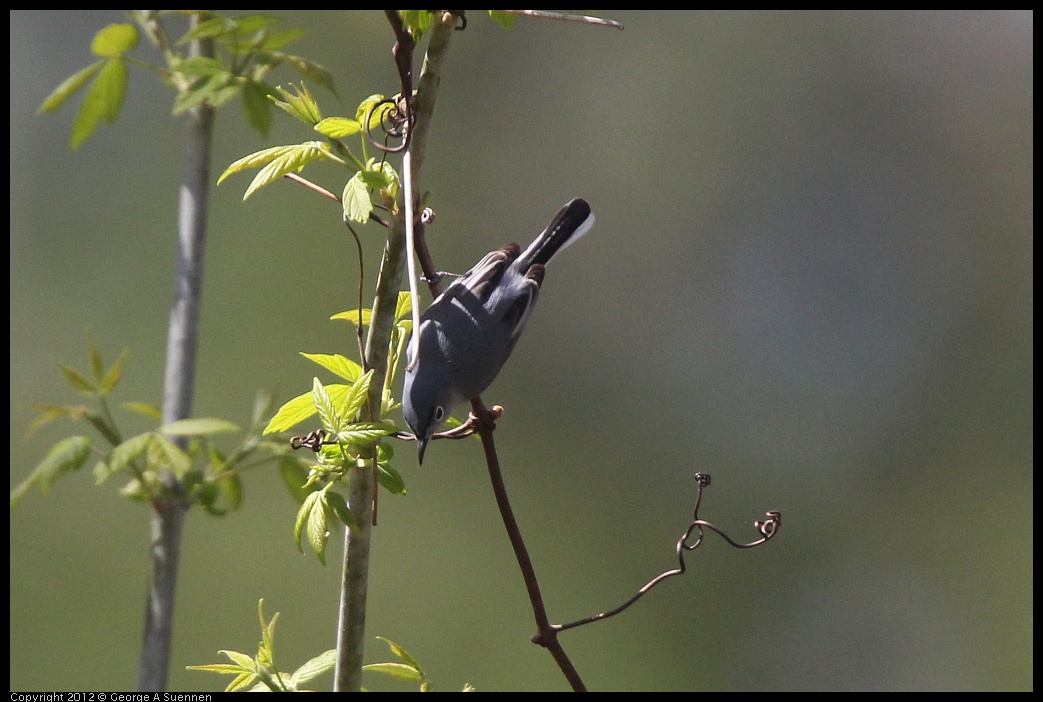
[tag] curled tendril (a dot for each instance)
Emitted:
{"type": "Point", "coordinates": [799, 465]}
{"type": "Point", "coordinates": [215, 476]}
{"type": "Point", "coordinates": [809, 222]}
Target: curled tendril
{"type": "Point", "coordinates": [395, 122]}
{"type": "Point", "coordinates": [767, 529]}
{"type": "Point", "coordinates": [770, 526]}
{"type": "Point", "coordinates": [313, 440]}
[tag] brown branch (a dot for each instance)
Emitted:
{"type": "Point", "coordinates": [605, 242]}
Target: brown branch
{"type": "Point", "coordinates": [483, 421]}
{"type": "Point", "coordinates": [546, 635]}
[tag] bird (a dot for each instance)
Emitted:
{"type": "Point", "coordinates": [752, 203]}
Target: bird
{"type": "Point", "coordinates": [468, 332]}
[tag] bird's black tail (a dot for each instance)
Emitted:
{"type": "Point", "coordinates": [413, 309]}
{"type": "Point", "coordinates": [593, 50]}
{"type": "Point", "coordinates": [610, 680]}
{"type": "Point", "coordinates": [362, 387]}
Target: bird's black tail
{"type": "Point", "coordinates": [572, 221]}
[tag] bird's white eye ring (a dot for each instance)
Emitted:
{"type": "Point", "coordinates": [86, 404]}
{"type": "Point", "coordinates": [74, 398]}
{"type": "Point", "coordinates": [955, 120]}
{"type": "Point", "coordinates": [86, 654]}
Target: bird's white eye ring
{"type": "Point", "coordinates": [439, 413]}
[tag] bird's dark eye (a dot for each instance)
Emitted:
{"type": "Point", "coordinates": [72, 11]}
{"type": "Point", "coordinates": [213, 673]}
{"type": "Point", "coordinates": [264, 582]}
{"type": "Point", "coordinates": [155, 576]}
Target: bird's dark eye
{"type": "Point", "coordinates": [439, 413]}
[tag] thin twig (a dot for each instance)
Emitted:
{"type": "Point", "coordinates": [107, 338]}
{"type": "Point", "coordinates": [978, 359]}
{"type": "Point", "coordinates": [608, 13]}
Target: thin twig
{"type": "Point", "coordinates": [362, 272]}
{"type": "Point", "coordinates": [583, 19]}
{"type": "Point", "coordinates": [767, 529]}
{"type": "Point", "coordinates": [312, 186]}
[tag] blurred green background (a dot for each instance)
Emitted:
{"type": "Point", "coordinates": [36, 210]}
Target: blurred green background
{"type": "Point", "coordinates": [810, 277]}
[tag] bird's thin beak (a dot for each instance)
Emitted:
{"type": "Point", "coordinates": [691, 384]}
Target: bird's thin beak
{"type": "Point", "coordinates": [421, 445]}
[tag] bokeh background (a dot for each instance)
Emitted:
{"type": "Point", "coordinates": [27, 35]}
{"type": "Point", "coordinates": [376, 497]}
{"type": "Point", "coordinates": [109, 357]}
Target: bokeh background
{"type": "Point", "coordinates": [811, 276]}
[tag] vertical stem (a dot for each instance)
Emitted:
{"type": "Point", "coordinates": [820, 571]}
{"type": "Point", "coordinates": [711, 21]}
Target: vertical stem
{"type": "Point", "coordinates": [354, 585]}
{"type": "Point", "coordinates": [168, 509]}
{"type": "Point", "coordinates": [193, 201]}
{"type": "Point", "coordinates": [351, 627]}
{"type": "Point", "coordinates": [168, 518]}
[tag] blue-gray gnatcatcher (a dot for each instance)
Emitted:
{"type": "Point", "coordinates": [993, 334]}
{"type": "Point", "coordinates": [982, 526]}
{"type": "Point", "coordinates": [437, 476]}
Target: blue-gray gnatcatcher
{"type": "Point", "coordinates": [470, 329]}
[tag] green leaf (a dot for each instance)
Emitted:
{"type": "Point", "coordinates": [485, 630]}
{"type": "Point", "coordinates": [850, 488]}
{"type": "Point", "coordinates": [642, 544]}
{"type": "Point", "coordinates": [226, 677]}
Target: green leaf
{"type": "Point", "coordinates": [165, 453]}
{"type": "Point", "coordinates": [353, 316]}
{"type": "Point", "coordinates": [377, 105]}
{"type": "Point", "coordinates": [355, 200]}
{"type": "Point", "coordinates": [504, 19]}
{"type": "Point", "coordinates": [418, 21]}
{"type": "Point", "coordinates": [294, 475]}
{"type": "Point", "coordinates": [266, 651]}
{"type": "Point", "coordinates": [283, 160]}
{"type": "Point", "coordinates": [215, 90]}
{"type": "Point", "coordinates": [112, 377]}
{"type": "Point", "coordinates": [331, 420]}
{"type": "Point", "coordinates": [338, 127]}
{"type": "Point", "coordinates": [317, 527]}
{"type": "Point", "coordinates": [111, 85]}
{"type": "Point", "coordinates": [49, 413]}
{"type": "Point", "coordinates": [340, 508]}
{"type": "Point", "coordinates": [200, 426]}
{"type": "Point", "coordinates": [254, 160]}
{"type": "Point", "coordinates": [224, 668]}
{"type": "Point", "coordinates": [69, 87]}
{"type": "Point", "coordinates": [315, 667]}
{"type": "Point", "coordinates": [385, 452]}
{"type": "Point", "coordinates": [205, 493]}
{"type": "Point", "coordinates": [243, 667]}
{"type": "Point", "coordinates": [231, 486]}
{"type": "Point", "coordinates": [145, 409]}
{"type": "Point", "coordinates": [197, 93]}
{"type": "Point", "coordinates": [381, 175]}
{"type": "Point", "coordinates": [244, 661]}
{"type": "Point", "coordinates": [353, 401]}
{"type": "Point", "coordinates": [402, 653]}
{"type": "Point", "coordinates": [336, 364]}
{"type": "Point", "coordinates": [316, 72]}
{"type": "Point", "coordinates": [404, 305]}
{"type": "Point", "coordinates": [362, 433]}
{"type": "Point", "coordinates": [390, 479]}
{"type": "Point", "coordinates": [385, 174]}
{"type": "Point", "coordinates": [198, 66]}
{"type": "Point", "coordinates": [114, 40]}
{"type": "Point", "coordinates": [77, 380]}
{"type": "Point", "coordinates": [300, 408]}
{"type": "Point", "coordinates": [375, 179]}
{"type": "Point", "coordinates": [127, 452]}
{"type": "Point", "coordinates": [64, 457]}
{"type": "Point", "coordinates": [209, 29]}
{"type": "Point", "coordinates": [292, 160]}
{"type": "Point", "coordinates": [246, 680]}
{"type": "Point", "coordinates": [311, 521]}
{"type": "Point", "coordinates": [97, 365]}
{"type": "Point", "coordinates": [250, 24]}
{"type": "Point", "coordinates": [103, 101]}
{"type": "Point", "coordinates": [258, 107]}
{"type": "Point", "coordinates": [299, 104]}
{"type": "Point", "coordinates": [303, 514]}
{"type": "Point", "coordinates": [333, 455]}
{"type": "Point", "coordinates": [399, 671]}
{"type": "Point", "coordinates": [280, 39]}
